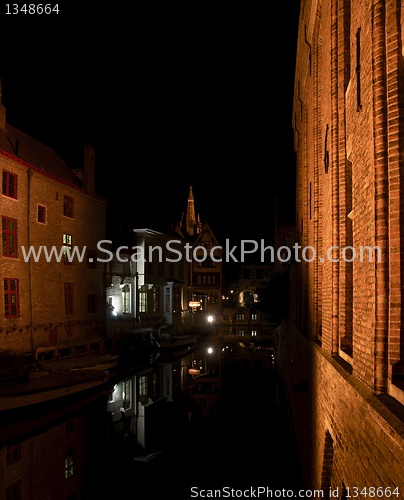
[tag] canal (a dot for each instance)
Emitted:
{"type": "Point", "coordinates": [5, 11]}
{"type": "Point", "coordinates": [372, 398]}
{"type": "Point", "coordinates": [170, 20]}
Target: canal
{"type": "Point", "coordinates": [242, 447]}
{"type": "Point", "coordinates": [209, 421]}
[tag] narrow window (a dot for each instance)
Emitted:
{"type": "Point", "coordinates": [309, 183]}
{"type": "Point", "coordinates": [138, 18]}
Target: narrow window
{"type": "Point", "coordinates": [69, 470]}
{"type": "Point", "coordinates": [13, 453]}
{"type": "Point", "coordinates": [11, 298]}
{"type": "Point", "coordinates": [126, 299]}
{"type": "Point", "coordinates": [326, 153]}
{"type": "Point", "coordinates": [9, 185]}
{"type": "Point", "coordinates": [92, 303]}
{"type": "Point", "coordinates": [168, 299]}
{"type": "Point", "coordinates": [156, 299]}
{"type": "Point", "coordinates": [127, 394]}
{"type": "Point", "coordinates": [142, 301]}
{"type": "Point", "coordinates": [67, 249]}
{"type": "Point", "coordinates": [41, 214]}
{"type": "Point", "coordinates": [311, 200]}
{"type": "Point", "coordinates": [346, 341]}
{"type": "Point", "coordinates": [358, 71]}
{"type": "Point", "coordinates": [68, 298]}
{"type": "Point", "coordinates": [143, 389]}
{"type": "Point", "coordinates": [9, 227]}
{"type": "Point", "coordinates": [347, 42]}
{"type": "Point", "coordinates": [68, 205]}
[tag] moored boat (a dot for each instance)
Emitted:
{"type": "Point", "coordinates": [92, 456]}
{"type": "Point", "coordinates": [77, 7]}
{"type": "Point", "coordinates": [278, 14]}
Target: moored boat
{"type": "Point", "coordinates": [166, 339]}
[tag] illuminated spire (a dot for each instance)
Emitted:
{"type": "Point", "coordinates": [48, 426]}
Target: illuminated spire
{"type": "Point", "coordinates": [190, 219]}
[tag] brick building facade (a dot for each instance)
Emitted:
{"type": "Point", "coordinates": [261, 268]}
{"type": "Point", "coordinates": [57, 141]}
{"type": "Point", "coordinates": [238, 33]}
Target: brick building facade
{"type": "Point", "coordinates": [51, 307]}
{"type": "Point", "coordinates": [344, 344]}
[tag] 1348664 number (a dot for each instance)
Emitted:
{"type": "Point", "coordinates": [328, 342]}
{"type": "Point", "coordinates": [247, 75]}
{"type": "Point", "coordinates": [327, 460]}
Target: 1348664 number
{"type": "Point", "coordinates": [372, 492]}
{"type": "Point", "coordinates": [32, 8]}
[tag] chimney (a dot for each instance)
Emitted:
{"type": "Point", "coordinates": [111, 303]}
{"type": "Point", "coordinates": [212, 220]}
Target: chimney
{"type": "Point", "coordinates": [2, 110]}
{"type": "Point", "coordinates": [89, 168]}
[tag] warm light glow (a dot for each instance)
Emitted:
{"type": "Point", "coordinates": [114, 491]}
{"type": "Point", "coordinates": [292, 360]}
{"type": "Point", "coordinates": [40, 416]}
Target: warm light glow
{"type": "Point", "coordinates": [210, 319]}
{"type": "Point", "coordinates": [210, 350]}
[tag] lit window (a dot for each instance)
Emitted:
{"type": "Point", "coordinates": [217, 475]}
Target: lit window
{"type": "Point", "coordinates": [67, 248]}
{"type": "Point", "coordinates": [126, 299]}
{"type": "Point", "coordinates": [143, 386]}
{"type": "Point", "coordinates": [142, 301]}
{"type": "Point", "coordinates": [9, 186]}
{"type": "Point", "coordinates": [69, 464]}
{"type": "Point", "coordinates": [127, 394]}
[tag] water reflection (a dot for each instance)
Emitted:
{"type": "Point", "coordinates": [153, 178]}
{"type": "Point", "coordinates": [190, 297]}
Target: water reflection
{"type": "Point", "coordinates": [200, 416]}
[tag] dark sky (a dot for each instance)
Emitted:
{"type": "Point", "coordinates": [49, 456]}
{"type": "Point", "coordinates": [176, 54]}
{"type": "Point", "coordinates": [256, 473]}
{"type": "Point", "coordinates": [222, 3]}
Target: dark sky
{"type": "Point", "coordinates": [169, 95]}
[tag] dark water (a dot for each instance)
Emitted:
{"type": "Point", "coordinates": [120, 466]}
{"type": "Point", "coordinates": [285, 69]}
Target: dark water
{"type": "Point", "coordinates": [243, 448]}
{"type": "Point", "coordinates": [241, 451]}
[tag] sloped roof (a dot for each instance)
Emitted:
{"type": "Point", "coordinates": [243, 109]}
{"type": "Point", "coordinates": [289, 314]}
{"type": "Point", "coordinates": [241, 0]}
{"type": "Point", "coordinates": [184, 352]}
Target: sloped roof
{"type": "Point", "coordinates": [201, 236]}
{"type": "Point", "coordinates": [24, 147]}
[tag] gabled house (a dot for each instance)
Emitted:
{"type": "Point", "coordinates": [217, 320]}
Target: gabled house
{"type": "Point", "coordinates": [206, 268]}
{"type": "Point", "coordinates": [148, 282]}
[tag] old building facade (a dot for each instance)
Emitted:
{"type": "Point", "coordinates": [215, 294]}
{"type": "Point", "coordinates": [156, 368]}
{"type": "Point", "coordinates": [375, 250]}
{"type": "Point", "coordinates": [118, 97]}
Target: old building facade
{"type": "Point", "coordinates": [53, 299]}
{"type": "Point", "coordinates": [206, 266]}
{"type": "Point", "coordinates": [148, 282]}
{"type": "Point", "coordinates": [345, 341]}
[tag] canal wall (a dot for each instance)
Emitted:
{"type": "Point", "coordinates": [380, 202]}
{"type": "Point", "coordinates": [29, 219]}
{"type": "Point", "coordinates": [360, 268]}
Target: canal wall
{"type": "Point", "coordinates": [346, 436]}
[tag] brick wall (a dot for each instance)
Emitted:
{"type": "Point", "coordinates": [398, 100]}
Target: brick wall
{"type": "Point", "coordinates": [347, 377]}
{"type": "Point", "coordinates": [42, 320]}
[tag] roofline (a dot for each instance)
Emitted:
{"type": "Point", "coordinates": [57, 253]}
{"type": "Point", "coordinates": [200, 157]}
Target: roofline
{"type": "Point", "coordinates": [51, 176]}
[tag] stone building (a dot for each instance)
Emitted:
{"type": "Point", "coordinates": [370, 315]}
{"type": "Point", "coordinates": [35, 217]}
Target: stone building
{"type": "Point", "coordinates": [344, 345]}
{"type": "Point", "coordinates": [53, 304]}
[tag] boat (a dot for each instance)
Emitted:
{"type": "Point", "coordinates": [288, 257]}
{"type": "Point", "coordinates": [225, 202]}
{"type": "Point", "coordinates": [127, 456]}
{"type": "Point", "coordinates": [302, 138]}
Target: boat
{"type": "Point", "coordinates": [166, 339]}
{"type": "Point", "coordinates": [55, 380]}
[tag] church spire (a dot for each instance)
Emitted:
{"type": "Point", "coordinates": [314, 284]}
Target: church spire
{"type": "Point", "coordinates": [190, 219]}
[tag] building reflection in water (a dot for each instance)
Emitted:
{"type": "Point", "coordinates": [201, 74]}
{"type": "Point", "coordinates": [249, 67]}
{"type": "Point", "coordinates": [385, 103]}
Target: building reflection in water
{"type": "Point", "coordinates": [61, 450]}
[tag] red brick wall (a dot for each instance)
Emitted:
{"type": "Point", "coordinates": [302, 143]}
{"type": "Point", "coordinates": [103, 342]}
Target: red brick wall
{"type": "Point", "coordinates": [347, 118]}
{"type": "Point", "coordinates": [47, 278]}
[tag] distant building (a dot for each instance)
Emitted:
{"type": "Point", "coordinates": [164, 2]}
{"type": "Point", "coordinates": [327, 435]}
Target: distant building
{"type": "Point", "coordinates": [342, 351]}
{"type": "Point", "coordinates": [53, 306]}
{"type": "Point", "coordinates": [206, 268]}
{"type": "Point", "coordinates": [148, 282]}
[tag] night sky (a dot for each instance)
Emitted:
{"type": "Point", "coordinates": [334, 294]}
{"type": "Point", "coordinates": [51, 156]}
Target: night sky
{"type": "Point", "coordinates": [169, 95]}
